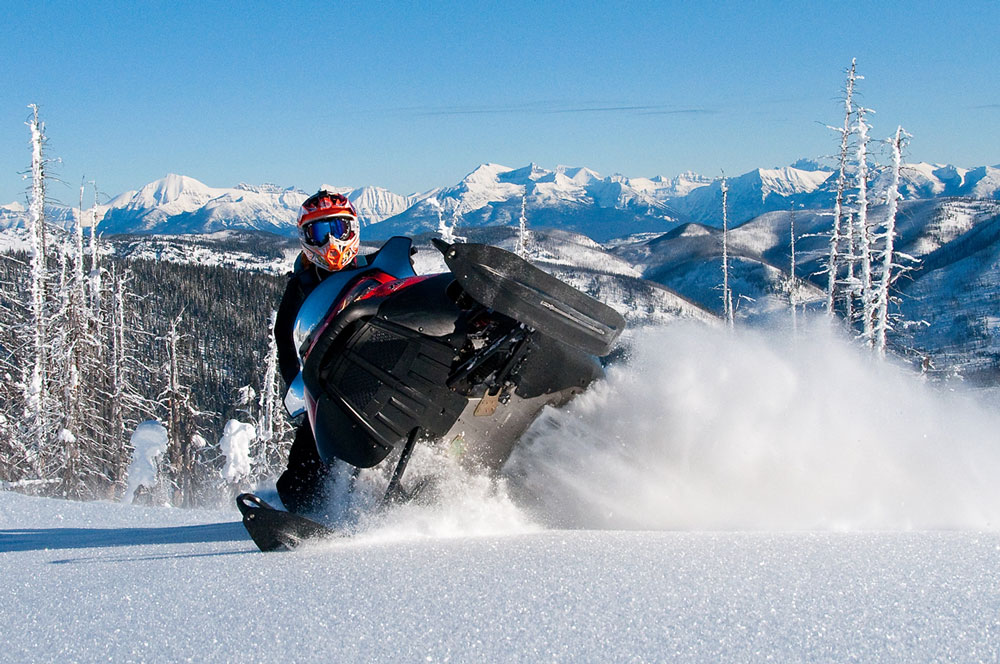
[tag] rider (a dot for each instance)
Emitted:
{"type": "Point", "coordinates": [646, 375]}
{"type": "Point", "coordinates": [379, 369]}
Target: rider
{"type": "Point", "coordinates": [329, 236]}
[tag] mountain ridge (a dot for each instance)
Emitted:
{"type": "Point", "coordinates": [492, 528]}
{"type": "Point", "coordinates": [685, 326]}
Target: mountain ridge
{"type": "Point", "coordinates": [575, 198]}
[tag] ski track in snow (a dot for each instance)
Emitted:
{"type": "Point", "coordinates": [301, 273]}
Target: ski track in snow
{"type": "Point", "coordinates": [719, 497]}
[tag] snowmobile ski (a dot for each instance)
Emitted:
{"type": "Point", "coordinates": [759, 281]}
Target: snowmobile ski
{"type": "Point", "coordinates": [507, 283]}
{"type": "Point", "coordinates": [276, 530]}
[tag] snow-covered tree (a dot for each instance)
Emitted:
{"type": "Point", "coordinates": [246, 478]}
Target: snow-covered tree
{"type": "Point", "coordinates": [237, 437]}
{"type": "Point", "coordinates": [792, 282]}
{"type": "Point", "coordinates": [889, 268]}
{"type": "Point", "coordinates": [522, 229]}
{"type": "Point", "coordinates": [16, 448]}
{"type": "Point", "coordinates": [269, 399]}
{"type": "Point", "coordinates": [456, 217]}
{"type": "Point", "coordinates": [836, 235]}
{"type": "Point", "coordinates": [36, 368]}
{"type": "Point", "coordinates": [124, 394]}
{"type": "Point", "coordinates": [445, 229]}
{"type": "Point", "coordinates": [76, 359]}
{"type": "Point", "coordinates": [95, 254]}
{"type": "Point", "coordinates": [864, 238]}
{"type": "Point", "coordinates": [727, 295]}
{"type": "Point", "coordinates": [149, 444]}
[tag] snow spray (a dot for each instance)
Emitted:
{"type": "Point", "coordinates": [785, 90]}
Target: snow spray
{"type": "Point", "coordinates": [452, 502]}
{"type": "Point", "coordinates": [712, 429]}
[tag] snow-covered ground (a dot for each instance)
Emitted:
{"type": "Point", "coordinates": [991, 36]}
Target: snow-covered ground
{"type": "Point", "coordinates": [102, 582]}
{"type": "Point", "coordinates": [720, 497]}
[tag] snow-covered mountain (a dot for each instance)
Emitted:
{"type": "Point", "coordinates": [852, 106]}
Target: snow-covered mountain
{"type": "Point", "coordinates": [668, 189]}
{"type": "Point", "coordinates": [571, 198]}
{"type": "Point", "coordinates": [574, 199]}
{"type": "Point", "coordinates": [757, 192]}
{"type": "Point", "coordinates": [14, 215]}
{"type": "Point", "coordinates": [180, 204]}
{"type": "Point", "coordinates": [925, 180]}
{"type": "Point", "coordinates": [11, 214]}
{"type": "Point", "coordinates": [375, 204]}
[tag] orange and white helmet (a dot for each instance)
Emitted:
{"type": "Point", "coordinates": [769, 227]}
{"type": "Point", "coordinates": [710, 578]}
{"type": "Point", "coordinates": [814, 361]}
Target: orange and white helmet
{"type": "Point", "coordinates": [329, 230]}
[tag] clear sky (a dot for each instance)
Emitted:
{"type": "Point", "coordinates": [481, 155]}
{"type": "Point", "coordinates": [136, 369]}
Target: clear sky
{"type": "Point", "coordinates": [413, 95]}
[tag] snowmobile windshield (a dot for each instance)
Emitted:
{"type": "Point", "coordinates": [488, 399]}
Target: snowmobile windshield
{"type": "Point", "coordinates": [320, 231]}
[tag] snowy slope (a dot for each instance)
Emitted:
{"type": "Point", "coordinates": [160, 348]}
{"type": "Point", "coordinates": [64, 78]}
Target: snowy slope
{"type": "Point", "coordinates": [239, 250]}
{"type": "Point", "coordinates": [581, 262]}
{"type": "Point", "coordinates": [103, 584]}
{"type": "Point", "coordinates": [688, 261]}
{"type": "Point", "coordinates": [674, 512]}
{"type": "Point", "coordinates": [954, 293]}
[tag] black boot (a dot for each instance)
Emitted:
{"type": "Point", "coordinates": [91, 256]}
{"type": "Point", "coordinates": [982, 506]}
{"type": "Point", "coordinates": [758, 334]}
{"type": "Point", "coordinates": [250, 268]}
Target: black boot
{"type": "Point", "coordinates": [302, 487]}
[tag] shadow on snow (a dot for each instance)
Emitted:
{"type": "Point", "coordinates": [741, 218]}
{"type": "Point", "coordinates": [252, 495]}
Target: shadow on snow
{"type": "Point", "coordinates": [38, 539]}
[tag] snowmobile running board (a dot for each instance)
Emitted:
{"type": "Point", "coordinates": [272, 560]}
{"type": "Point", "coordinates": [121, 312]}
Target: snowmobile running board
{"type": "Point", "coordinates": [276, 530]}
{"type": "Point", "coordinates": [507, 283]}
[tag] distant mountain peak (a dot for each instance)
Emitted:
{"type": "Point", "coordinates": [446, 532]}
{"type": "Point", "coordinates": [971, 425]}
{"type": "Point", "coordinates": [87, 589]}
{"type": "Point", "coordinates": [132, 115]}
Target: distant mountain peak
{"type": "Point", "coordinates": [486, 172]}
{"type": "Point", "coordinates": [810, 164]}
{"type": "Point", "coordinates": [266, 188]}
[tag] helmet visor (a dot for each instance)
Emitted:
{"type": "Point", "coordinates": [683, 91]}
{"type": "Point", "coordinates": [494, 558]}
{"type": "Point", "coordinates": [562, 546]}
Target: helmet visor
{"type": "Point", "coordinates": [320, 231]}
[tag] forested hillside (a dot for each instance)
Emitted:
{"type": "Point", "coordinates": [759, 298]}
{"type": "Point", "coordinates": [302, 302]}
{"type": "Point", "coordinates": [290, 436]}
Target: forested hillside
{"type": "Point", "coordinates": [194, 341]}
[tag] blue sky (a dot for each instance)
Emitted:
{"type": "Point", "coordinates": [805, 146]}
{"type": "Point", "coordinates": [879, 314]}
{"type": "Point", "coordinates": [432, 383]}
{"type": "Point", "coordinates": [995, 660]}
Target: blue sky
{"type": "Point", "coordinates": [411, 95]}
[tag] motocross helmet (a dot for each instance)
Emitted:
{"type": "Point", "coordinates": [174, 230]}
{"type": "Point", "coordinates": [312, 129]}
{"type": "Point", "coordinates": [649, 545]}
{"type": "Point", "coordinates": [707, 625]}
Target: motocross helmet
{"type": "Point", "coordinates": [329, 230]}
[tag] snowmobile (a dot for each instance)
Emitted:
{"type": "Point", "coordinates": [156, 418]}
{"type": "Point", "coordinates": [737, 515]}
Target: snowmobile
{"type": "Point", "coordinates": [466, 359]}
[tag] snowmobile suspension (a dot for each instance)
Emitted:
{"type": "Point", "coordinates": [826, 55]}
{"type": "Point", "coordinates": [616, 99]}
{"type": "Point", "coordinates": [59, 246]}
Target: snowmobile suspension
{"type": "Point", "coordinates": [394, 492]}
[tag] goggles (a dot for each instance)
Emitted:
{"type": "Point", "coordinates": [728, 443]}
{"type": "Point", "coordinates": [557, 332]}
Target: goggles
{"type": "Point", "coordinates": [319, 232]}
